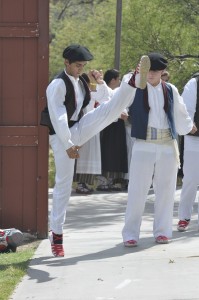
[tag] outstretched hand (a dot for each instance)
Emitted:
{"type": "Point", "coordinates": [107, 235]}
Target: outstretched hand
{"type": "Point", "coordinates": [194, 129]}
{"type": "Point", "coordinates": [124, 116]}
{"type": "Point", "coordinates": [73, 152]}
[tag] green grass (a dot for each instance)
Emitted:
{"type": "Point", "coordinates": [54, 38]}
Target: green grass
{"type": "Point", "coordinates": [13, 266]}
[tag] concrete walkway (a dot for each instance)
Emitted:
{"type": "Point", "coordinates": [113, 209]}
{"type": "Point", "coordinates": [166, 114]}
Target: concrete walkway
{"type": "Point", "coordinates": [98, 267]}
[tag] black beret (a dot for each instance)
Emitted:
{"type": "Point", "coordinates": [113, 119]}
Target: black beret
{"type": "Point", "coordinates": [77, 52]}
{"type": "Point", "coordinates": [158, 62]}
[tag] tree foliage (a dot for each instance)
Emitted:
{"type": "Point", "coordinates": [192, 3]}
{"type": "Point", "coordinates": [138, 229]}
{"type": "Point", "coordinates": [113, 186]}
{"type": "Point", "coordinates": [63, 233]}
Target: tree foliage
{"type": "Point", "coordinates": [169, 26]}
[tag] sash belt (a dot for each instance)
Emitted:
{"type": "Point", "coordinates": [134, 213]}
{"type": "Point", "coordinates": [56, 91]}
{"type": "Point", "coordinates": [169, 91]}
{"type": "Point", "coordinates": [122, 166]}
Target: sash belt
{"type": "Point", "coordinates": [158, 135]}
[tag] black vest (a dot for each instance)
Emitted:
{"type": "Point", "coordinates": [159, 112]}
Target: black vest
{"type": "Point", "coordinates": [70, 102]}
{"type": "Point", "coordinates": [139, 112]}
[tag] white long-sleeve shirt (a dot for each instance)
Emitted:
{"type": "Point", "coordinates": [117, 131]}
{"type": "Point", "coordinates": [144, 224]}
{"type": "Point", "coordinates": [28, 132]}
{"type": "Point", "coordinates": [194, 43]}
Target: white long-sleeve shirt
{"type": "Point", "coordinates": [102, 94]}
{"type": "Point", "coordinates": [189, 96]}
{"type": "Point", "coordinates": [55, 93]}
{"type": "Point", "coordinates": [157, 115]}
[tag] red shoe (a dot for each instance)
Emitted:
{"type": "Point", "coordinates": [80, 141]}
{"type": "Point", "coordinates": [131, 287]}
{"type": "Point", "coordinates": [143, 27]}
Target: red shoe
{"type": "Point", "coordinates": [183, 225]}
{"type": "Point", "coordinates": [161, 239]}
{"type": "Point", "coordinates": [130, 243]}
{"type": "Point", "coordinates": [56, 241]}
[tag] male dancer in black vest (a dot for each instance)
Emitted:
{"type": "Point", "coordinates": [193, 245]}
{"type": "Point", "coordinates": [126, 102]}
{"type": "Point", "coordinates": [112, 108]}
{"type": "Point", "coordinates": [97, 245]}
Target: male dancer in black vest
{"type": "Point", "coordinates": [66, 96]}
{"type": "Point", "coordinates": [191, 156]}
{"type": "Point", "coordinates": [158, 113]}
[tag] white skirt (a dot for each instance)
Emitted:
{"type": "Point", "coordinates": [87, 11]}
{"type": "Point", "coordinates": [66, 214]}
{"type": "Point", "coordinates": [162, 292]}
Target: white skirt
{"type": "Point", "coordinates": [90, 157]}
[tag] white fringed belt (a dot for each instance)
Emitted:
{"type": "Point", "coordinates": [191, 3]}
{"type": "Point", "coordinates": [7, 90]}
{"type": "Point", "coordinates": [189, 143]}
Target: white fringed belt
{"type": "Point", "coordinates": [163, 136]}
{"type": "Point", "coordinates": [158, 135]}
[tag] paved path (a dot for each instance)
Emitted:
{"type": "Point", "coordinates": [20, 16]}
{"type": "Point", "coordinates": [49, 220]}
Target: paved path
{"type": "Point", "coordinates": [98, 267]}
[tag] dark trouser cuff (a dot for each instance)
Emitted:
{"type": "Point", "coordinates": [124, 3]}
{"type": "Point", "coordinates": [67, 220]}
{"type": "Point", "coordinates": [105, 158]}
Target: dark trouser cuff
{"type": "Point", "coordinates": [132, 80]}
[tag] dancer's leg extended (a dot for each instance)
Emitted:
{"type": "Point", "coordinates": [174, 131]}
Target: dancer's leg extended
{"type": "Point", "coordinates": [96, 120]}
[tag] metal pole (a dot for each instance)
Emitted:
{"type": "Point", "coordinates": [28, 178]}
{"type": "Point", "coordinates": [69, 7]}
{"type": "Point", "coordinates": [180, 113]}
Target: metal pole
{"type": "Point", "coordinates": [118, 34]}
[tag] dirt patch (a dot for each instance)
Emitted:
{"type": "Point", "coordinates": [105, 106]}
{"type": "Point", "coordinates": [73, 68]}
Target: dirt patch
{"type": "Point", "coordinates": [29, 242]}
{"type": "Point", "coordinates": [28, 245]}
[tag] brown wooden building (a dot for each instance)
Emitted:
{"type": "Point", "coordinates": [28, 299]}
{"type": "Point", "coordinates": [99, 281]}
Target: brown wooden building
{"type": "Point", "coordinates": [24, 57]}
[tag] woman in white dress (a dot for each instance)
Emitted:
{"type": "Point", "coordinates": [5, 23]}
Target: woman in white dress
{"type": "Point", "coordinates": [89, 163]}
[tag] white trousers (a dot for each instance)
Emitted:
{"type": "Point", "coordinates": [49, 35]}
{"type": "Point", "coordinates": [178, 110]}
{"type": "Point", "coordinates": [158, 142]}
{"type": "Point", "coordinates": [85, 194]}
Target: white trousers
{"type": "Point", "coordinates": [129, 143]}
{"type": "Point", "coordinates": [191, 177]}
{"type": "Point", "coordinates": [91, 123]}
{"type": "Point", "coordinates": [157, 163]}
